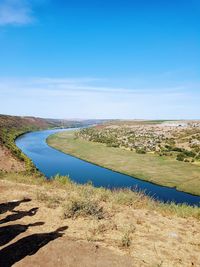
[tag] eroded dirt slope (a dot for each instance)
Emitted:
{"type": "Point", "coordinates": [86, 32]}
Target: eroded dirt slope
{"type": "Point", "coordinates": [8, 162]}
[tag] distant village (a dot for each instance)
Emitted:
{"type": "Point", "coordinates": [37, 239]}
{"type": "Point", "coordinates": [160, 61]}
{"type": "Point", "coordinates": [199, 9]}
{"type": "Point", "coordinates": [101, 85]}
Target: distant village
{"type": "Point", "coordinates": [178, 139]}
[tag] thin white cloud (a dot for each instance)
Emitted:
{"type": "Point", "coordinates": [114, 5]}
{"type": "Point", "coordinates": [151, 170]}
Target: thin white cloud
{"type": "Point", "coordinates": [91, 98]}
{"type": "Point", "coordinates": [15, 12]}
{"type": "Point", "coordinates": [63, 86]}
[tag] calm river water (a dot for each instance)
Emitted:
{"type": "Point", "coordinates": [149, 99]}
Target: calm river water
{"type": "Point", "coordinates": [51, 162]}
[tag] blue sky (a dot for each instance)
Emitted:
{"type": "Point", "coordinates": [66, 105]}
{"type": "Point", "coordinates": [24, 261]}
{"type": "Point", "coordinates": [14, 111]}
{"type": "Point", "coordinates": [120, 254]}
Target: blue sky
{"type": "Point", "coordinates": [100, 59]}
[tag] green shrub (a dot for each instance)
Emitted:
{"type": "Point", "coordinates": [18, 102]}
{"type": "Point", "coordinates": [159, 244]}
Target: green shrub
{"type": "Point", "coordinates": [180, 157]}
{"type": "Point", "coordinates": [178, 149]}
{"type": "Point", "coordinates": [168, 147]}
{"type": "Point", "coordinates": [140, 150]}
{"type": "Point", "coordinates": [189, 153]}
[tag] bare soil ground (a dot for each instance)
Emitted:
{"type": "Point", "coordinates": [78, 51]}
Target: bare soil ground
{"type": "Point", "coordinates": [8, 162]}
{"type": "Point", "coordinates": [33, 232]}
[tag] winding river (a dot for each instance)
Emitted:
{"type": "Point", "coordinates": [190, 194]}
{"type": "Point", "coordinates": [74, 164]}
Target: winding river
{"type": "Point", "coordinates": [51, 162]}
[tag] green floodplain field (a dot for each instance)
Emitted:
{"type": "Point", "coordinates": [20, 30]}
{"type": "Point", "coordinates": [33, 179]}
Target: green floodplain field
{"type": "Point", "coordinates": [149, 167]}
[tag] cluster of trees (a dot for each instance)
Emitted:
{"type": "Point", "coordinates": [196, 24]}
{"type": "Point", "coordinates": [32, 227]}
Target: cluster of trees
{"type": "Point", "coordinates": [91, 134]}
{"type": "Point", "coordinates": [182, 154]}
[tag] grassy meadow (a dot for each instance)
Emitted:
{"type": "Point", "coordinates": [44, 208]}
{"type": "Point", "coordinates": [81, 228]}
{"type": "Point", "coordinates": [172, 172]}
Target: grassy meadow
{"type": "Point", "coordinates": [149, 167]}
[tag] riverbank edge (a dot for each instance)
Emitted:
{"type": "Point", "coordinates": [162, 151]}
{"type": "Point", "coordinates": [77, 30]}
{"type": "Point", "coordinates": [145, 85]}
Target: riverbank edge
{"type": "Point", "coordinates": [112, 169]}
{"type": "Point", "coordinates": [27, 160]}
{"type": "Point", "coordinates": [29, 165]}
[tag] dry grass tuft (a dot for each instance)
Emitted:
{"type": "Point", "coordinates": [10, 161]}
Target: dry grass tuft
{"type": "Point", "coordinates": [51, 201]}
{"type": "Point", "coordinates": [127, 236]}
{"type": "Point", "coordinates": [83, 207]}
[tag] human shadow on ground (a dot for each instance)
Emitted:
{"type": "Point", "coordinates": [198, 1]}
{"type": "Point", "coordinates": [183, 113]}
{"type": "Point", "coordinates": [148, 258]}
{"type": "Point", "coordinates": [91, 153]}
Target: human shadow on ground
{"type": "Point", "coordinates": [9, 232]}
{"type": "Point", "coordinates": [9, 206]}
{"type": "Point", "coordinates": [18, 215]}
{"type": "Point", "coordinates": [27, 246]}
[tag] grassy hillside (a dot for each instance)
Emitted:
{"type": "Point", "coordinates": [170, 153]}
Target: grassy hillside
{"type": "Point", "coordinates": [17, 122]}
{"type": "Point", "coordinates": [122, 222]}
{"type": "Point", "coordinates": [13, 126]}
{"type": "Point", "coordinates": [150, 167]}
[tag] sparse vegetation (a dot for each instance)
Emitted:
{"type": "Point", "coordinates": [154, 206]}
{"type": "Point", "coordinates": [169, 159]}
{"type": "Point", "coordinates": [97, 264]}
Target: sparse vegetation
{"type": "Point", "coordinates": [122, 220]}
{"type": "Point", "coordinates": [86, 200]}
{"type": "Point", "coordinates": [52, 201]}
{"type": "Point", "coordinates": [7, 139]}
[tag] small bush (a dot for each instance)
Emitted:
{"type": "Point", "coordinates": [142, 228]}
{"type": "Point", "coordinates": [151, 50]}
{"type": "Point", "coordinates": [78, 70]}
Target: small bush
{"type": "Point", "coordinates": [180, 157]}
{"type": "Point", "coordinates": [126, 240]}
{"type": "Point", "coordinates": [1, 174]}
{"type": "Point", "coordinates": [140, 151]}
{"type": "Point", "coordinates": [190, 153]}
{"type": "Point", "coordinates": [83, 208]}
{"type": "Point", "coordinates": [169, 148]}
